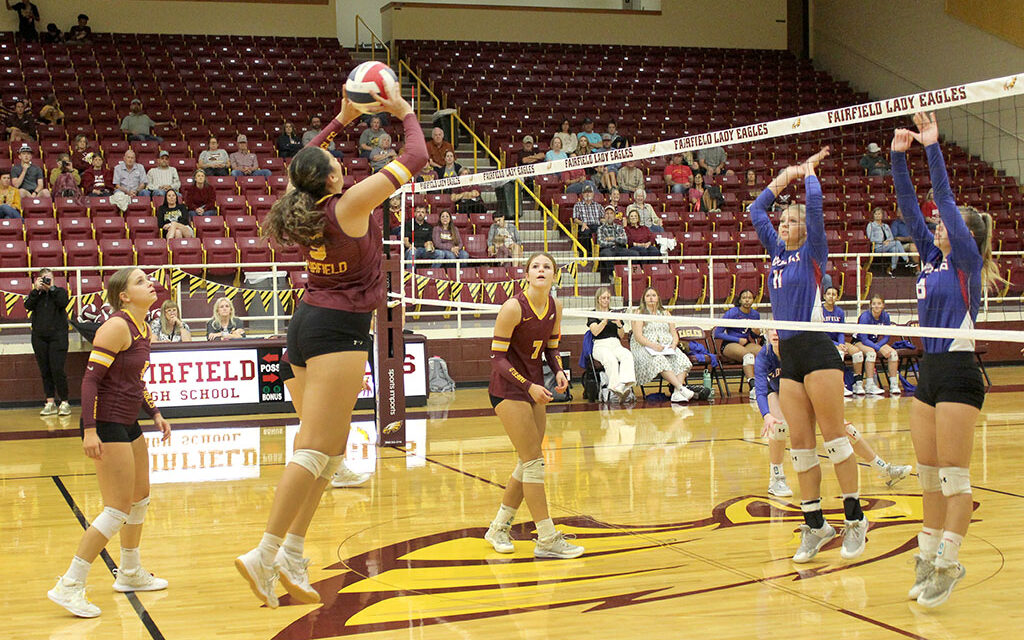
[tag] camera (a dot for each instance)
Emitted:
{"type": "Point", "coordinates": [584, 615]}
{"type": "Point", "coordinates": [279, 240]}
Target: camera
{"type": "Point", "coordinates": [47, 280]}
{"type": "Point", "coordinates": [65, 166]}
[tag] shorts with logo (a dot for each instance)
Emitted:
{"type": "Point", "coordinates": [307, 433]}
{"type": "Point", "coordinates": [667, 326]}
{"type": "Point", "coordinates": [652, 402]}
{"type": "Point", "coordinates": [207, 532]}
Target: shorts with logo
{"type": "Point", "coordinates": [953, 376]}
{"type": "Point", "coordinates": [317, 331]}
{"type": "Point", "coordinates": [807, 352]}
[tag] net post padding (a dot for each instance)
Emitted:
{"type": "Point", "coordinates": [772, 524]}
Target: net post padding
{"type": "Point", "coordinates": [389, 360]}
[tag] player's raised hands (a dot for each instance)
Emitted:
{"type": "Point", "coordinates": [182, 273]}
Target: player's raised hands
{"type": "Point", "coordinates": [901, 140]}
{"type": "Point", "coordinates": [810, 164]}
{"type": "Point", "coordinates": [928, 129]}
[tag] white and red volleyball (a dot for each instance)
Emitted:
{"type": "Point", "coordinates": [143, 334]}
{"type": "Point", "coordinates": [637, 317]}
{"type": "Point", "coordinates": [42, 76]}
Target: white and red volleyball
{"type": "Point", "coordinates": [367, 76]}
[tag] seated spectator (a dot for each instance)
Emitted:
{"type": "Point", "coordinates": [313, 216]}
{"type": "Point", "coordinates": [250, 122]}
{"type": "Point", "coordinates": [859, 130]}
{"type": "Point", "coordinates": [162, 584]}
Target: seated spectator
{"type": "Point", "coordinates": [569, 140]}
{"type": "Point", "coordinates": [655, 347]}
{"type": "Point", "coordinates": [646, 212]}
{"type": "Point", "coordinates": [163, 177]}
{"type": "Point", "coordinates": [28, 16]}
{"type": "Point", "coordinates": [606, 176]}
{"type": "Point", "coordinates": [426, 174]}
{"type": "Point", "coordinates": [437, 147]}
{"type": "Point", "coordinates": [200, 196]}
{"type": "Point", "coordinates": [883, 241]}
{"type": "Point", "coordinates": [606, 145]}
{"type": "Point", "coordinates": [419, 237]}
{"type": "Point", "coordinates": [393, 224]}
{"type": "Point", "coordinates": [52, 35]}
{"type": "Point", "coordinates": [137, 125]}
{"type": "Point", "coordinates": [696, 192]}
{"type": "Point", "coordinates": [593, 137]}
{"type": "Point", "coordinates": [10, 198]}
{"type": "Point", "coordinates": [50, 113]}
{"type": "Point", "coordinates": [630, 177]}
{"type": "Point", "coordinates": [751, 187]}
{"type": "Point", "coordinates": [608, 350]}
{"type": "Point", "coordinates": [81, 154]}
{"type": "Point", "coordinates": [874, 161]}
{"type": "Point", "coordinates": [875, 347]}
{"type": "Point", "coordinates": [640, 238]}
{"type": "Point", "coordinates": [583, 146]}
{"type": "Point", "coordinates": [81, 32]}
{"type": "Point", "coordinates": [368, 139]}
{"type": "Point", "coordinates": [712, 160]}
{"type": "Point", "coordinates": [214, 160]}
{"type": "Point", "coordinates": [503, 239]}
{"type": "Point", "coordinates": [447, 239]}
{"type": "Point", "coordinates": [289, 142]}
{"type": "Point", "coordinates": [130, 177]}
{"type": "Point", "coordinates": [741, 345]}
{"type": "Point", "coordinates": [224, 325]}
{"type": "Point", "coordinates": [618, 140]}
{"type": "Point", "coordinates": [678, 175]}
{"type": "Point", "coordinates": [588, 215]}
{"type": "Point", "coordinates": [530, 154]}
{"type": "Point", "coordinates": [901, 232]}
{"type": "Point", "coordinates": [169, 326]}
{"type": "Point", "coordinates": [64, 165]}
{"type": "Point", "coordinates": [450, 168]}
{"type": "Point", "coordinates": [711, 199]}
{"type": "Point", "coordinates": [576, 180]}
{"type": "Point", "coordinates": [28, 177]}
{"type": "Point", "coordinates": [382, 154]}
{"type": "Point", "coordinates": [611, 237]}
{"type": "Point", "coordinates": [21, 125]}
{"type": "Point", "coordinates": [556, 151]}
{"type": "Point", "coordinates": [467, 198]}
{"type": "Point", "coordinates": [314, 131]}
{"type": "Point", "coordinates": [930, 210]}
{"type": "Point", "coordinates": [244, 162]}
{"type": "Point", "coordinates": [173, 217]}
{"type": "Point", "coordinates": [97, 180]}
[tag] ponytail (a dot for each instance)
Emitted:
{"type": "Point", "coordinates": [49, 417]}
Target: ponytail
{"type": "Point", "coordinates": [295, 219]}
{"type": "Point", "coordinates": [981, 225]}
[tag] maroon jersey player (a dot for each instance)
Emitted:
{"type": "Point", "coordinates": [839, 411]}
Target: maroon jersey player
{"type": "Point", "coordinates": [112, 394]}
{"type": "Point", "coordinates": [527, 326]}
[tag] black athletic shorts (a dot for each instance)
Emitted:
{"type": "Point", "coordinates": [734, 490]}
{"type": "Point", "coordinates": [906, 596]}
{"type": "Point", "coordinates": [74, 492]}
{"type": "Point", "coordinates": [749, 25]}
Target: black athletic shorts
{"type": "Point", "coordinates": [316, 331]}
{"type": "Point", "coordinates": [807, 352]}
{"type": "Point", "coordinates": [113, 431]}
{"type": "Point", "coordinates": [953, 376]}
{"type": "Point", "coordinates": [286, 372]}
{"type": "Point", "coordinates": [495, 400]}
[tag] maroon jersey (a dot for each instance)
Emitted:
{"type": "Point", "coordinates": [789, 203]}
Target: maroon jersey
{"type": "Point", "coordinates": [121, 392]}
{"type": "Point", "coordinates": [344, 273]}
{"type": "Point", "coordinates": [523, 351]}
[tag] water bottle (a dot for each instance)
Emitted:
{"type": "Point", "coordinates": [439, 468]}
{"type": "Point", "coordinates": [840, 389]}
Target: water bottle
{"type": "Point", "coordinates": [707, 383]}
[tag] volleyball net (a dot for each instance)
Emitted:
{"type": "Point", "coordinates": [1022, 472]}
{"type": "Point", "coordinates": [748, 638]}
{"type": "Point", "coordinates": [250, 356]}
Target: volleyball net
{"type": "Point", "coordinates": [707, 250]}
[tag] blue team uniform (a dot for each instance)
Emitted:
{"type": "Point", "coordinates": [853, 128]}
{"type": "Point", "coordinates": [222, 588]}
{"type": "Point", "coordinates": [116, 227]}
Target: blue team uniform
{"type": "Point", "coordinates": [766, 376]}
{"type": "Point", "coordinates": [873, 340]}
{"type": "Point", "coordinates": [838, 316]}
{"type": "Point", "coordinates": [732, 334]}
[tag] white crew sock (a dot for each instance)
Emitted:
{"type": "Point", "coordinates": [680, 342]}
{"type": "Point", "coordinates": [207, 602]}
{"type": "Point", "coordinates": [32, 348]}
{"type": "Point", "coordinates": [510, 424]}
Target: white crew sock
{"type": "Point", "coordinates": [505, 516]}
{"type": "Point", "coordinates": [77, 571]}
{"type": "Point", "coordinates": [949, 548]}
{"type": "Point", "coordinates": [268, 548]}
{"type": "Point", "coordinates": [293, 545]}
{"type": "Point", "coordinates": [129, 559]}
{"type": "Point", "coordinates": [546, 529]}
{"type": "Point", "coordinates": [928, 542]}
{"type": "Point", "coordinates": [878, 462]}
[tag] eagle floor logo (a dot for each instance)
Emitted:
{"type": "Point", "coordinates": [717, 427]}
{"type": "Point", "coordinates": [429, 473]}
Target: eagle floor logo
{"type": "Point", "coordinates": [455, 575]}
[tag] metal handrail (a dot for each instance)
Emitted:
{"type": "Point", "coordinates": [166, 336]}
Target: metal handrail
{"type": "Point", "coordinates": [374, 39]}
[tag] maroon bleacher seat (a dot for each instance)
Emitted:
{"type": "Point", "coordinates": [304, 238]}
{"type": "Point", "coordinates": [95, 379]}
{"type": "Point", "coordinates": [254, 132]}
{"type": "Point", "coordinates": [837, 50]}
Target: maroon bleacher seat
{"type": "Point", "coordinates": [82, 253]}
{"type": "Point", "coordinates": [208, 226]}
{"type": "Point", "coordinates": [41, 229]}
{"type": "Point", "coordinates": [13, 253]}
{"type": "Point", "coordinates": [37, 207]}
{"type": "Point", "coordinates": [46, 253]}
{"type": "Point", "coordinates": [151, 251]}
{"type": "Point", "coordinates": [142, 226]}
{"type": "Point", "coordinates": [254, 249]}
{"type": "Point", "coordinates": [241, 226]}
{"type": "Point", "coordinates": [12, 229]}
{"type": "Point", "coordinates": [220, 250]}
{"type": "Point", "coordinates": [116, 252]}
{"type": "Point", "coordinates": [186, 251]}
{"type": "Point", "coordinates": [109, 227]}
{"type": "Point", "coordinates": [13, 283]}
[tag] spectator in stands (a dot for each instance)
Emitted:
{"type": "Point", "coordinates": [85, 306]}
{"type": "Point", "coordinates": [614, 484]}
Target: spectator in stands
{"type": "Point", "coordinates": [587, 214]}
{"type": "Point", "coordinates": [655, 347]}
{"type": "Point", "coordinates": [21, 125]}
{"type": "Point", "coordinates": [383, 153]}
{"type": "Point", "coordinates": [646, 212]}
{"type": "Point", "coordinates": [712, 160]}
{"type": "Point", "coordinates": [450, 168]}
{"type": "Point", "coordinates": [81, 32]}
{"type": "Point", "coordinates": [447, 239]}
{"type": "Point", "coordinates": [606, 145]}
{"type": "Point", "coordinates": [28, 16]}
{"type": "Point", "coordinates": [163, 177]}
{"type": "Point", "coordinates": [611, 238]}
{"type": "Point", "coordinates": [244, 162]}
{"type": "Point", "coordinates": [419, 237]}
{"type": "Point", "coordinates": [289, 142]}
{"type": "Point", "coordinates": [137, 125]}
{"type": "Point", "coordinates": [224, 325]}
{"type": "Point", "coordinates": [593, 138]}
{"type": "Point", "coordinates": [583, 146]}
{"type": "Point", "coordinates": [314, 131]}
{"type": "Point", "coordinates": [608, 350]}
{"type": "Point", "coordinates": [97, 180]}
{"type": "Point", "coordinates": [696, 192]}
{"type": "Point", "coordinates": [200, 196]}
{"type": "Point", "coordinates": [568, 139]}
{"type": "Point", "coordinates": [214, 160]}
{"type": "Point", "coordinates": [576, 180]}
{"type": "Point", "coordinates": [52, 35]}
{"type": "Point", "coordinates": [618, 140]}
{"type": "Point", "coordinates": [883, 241]}
{"type": "Point", "coordinates": [930, 210]}
{"type": "Point", "coordinates": [368, 139]}
{"type": "Point", "coordinates": [641, 239]}
{"type": "Point", "coordinates": [10, 198]}
{"type": "Point", "coordinates": [48, 304]}
{"type": "Point", "coordinates": [615, 198]}
{"type": "Point", "coordinates": [426, 174]}
{"type": "Point", "coordinates": [901, 232]}
{"type": "Point", "coordinates": [173, 217]}
{"type": "Point", "coordinates": [503, 239]}
{"type": "Point", "coordinates": [711, 199]}
{"type": "Point", "coordinates": [529, 154]}
{"type": "Point", "coordinates": [28, 177]}
{"type": "Point", "coordinates": [394, 216]}
{"type": "Point", "coordinates": [631, 177]}
{"type": "Point", "coordinates": [81, 154]}
{"type": "Point", "coordinates": [63, 166]}
{"type": "Point", "coordinates": [741, 345]}
{"type": "Point", "coordinates": [556, 152]}
{"type": "Point", "coordinates": [605, 178]}
{"type": "Point", "coordinates": [751, 187]}
{"type": "Point", "coordinates": [169, 326]}
{"type": "Point", "coordinates": [130, 177]}
{"type": "Point", "coordinates": [467, 198]}
{"type": "Point", "coordinates": [50, 114]}
{"type": "Point", "coordinates": [678, 175]}
{"type": "Point", "coordinates": [874, 161]}
{"type": "Point", "coordinates": [437, 147]}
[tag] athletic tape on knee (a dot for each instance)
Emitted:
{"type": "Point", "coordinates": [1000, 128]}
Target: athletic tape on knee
{"type": "Point", "coordinates": [857, 356]}
{"type": "Point", "coordinates": [110, 522]}
{"type": "Point", "coordinates": [313, 461]}
{"type": "Point", "coordinates": [533, 471]}
{"type": "Point", "coordinates": [138, 513]}
{"type": "Point", "coordinates": [955, 481]}
{"type": "Point", "coordinates": [517, 473]}
{"type": "Point", "coordinates": [333, 464]}
{"type": "Point", "coordinates": [852, 433]}
{"type": "Point", "coordinates": [804, 459]}
{"type": "Point", "coordinates": [929, 478]}
{"type": "Point", "coordinates": [894, 357]}
{"type": "Point", "coordinates": [839, 450]}
{"type": "Point", "coordinates": [781, 431]}
{"type": "Point", "coordinates": [748, 360]}
{"type": "Point", "coordinates": [871, 356]}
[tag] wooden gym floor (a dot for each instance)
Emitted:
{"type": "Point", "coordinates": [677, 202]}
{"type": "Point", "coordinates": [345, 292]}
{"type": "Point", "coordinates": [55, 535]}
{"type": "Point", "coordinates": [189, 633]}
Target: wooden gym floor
{"type": "Point", "coordinates": [682, 539]}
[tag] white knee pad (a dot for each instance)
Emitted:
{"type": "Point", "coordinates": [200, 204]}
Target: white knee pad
{"type": "Point", "coordinates": [929, 478]}
{"type": "Point", "coordinates": [533, 471]}
{"type": "Point", "coordinates": [804, 459]}
{"type": "Point", "coordinates": [110, 522]}
{"type": "Point", "coordinates": [839, 450]}
{"type": "Point", "coordinates": [955, 481]}
{"type": "Point", "coordinates": [517, 473]}
{"type": "Point", "coordinates": [333, 464]}
{"type": "Point", "coordinates": [852, 433]}
{"type": "Point", "coordinates": [781, 431]}
{"type": "Point", "coordinates": [313, 461]}
{"type": "Point", "coordinates": [138, 513]}
{"type": "Point", "coordinates": [748, 360]}
{"type": "Point", "coordinates": [857, 356]}
{"type": "Point", "coordinates": [870, 356]}
{"type": "Point", "coordinates": [894, 357]}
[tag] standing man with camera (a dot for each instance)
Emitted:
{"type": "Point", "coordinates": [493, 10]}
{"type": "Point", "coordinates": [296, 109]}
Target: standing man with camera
{"type": "Point", "coordinates": [48, 304]}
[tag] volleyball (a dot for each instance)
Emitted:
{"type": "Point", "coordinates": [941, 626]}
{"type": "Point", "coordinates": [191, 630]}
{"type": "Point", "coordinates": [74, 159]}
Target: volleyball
{"type": "Point", "coordinates": [364, 78]}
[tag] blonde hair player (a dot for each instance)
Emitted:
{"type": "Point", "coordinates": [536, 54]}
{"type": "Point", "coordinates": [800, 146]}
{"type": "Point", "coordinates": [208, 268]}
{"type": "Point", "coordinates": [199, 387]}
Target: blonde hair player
{"type": "Point", "coordinates": [956, 264]}
{"type": "Point", "coordinates": [527, 326]}
{"type": "Point", "coordinates": [811, 386]}
{"type": "Point", "coordinates": [112, 394]}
